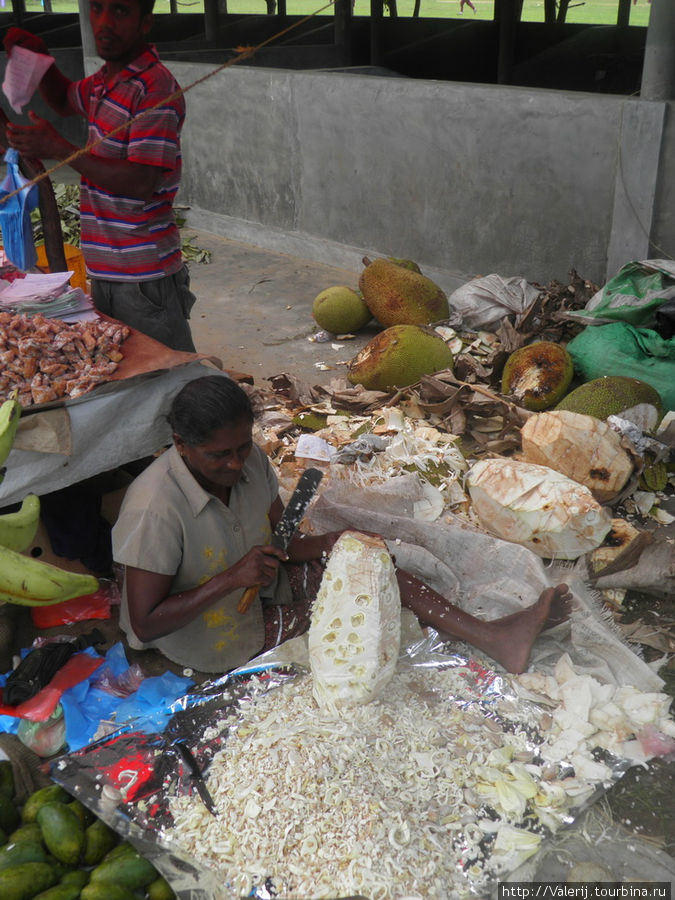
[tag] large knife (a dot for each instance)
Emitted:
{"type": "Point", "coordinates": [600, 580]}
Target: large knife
{"type": "Point", "coordinates": [187, 758]}
{"type": "Point", "coordinates": [288, 524]}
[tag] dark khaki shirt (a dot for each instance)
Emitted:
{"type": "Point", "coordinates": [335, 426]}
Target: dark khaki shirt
{"type": "Point", "coordinates": [170, 525]}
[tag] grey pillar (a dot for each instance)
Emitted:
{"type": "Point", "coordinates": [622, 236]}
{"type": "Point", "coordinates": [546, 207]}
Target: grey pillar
{"type": "Point", "coordinates": [507, 14]}
{"type": "Point", "coordinates": [638, 153]}
{"type": "Point", "coordinates": [376, 40]}
{"type": "Point", "coordinates": [88, 45]}
{"type": "Point", "coordinates": [343, 28]}
{"type": "Point", "coordinates": [211, 19]}
{"type": "Point", "coordinates": [658, 70]}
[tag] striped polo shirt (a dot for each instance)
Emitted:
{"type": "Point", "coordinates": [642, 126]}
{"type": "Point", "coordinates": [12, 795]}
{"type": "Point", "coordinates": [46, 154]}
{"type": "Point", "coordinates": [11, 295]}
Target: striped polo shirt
{"type": "Point", "coordinates": [123, 238]}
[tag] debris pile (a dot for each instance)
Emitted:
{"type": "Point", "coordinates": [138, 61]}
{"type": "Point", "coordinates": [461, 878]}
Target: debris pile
{"type": "Point", "coordinates": [503, 431]}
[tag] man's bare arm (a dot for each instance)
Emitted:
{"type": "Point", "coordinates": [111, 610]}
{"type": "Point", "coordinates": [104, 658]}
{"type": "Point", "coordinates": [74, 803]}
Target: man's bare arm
{"type": "Point", "coordinates": [41, 140]}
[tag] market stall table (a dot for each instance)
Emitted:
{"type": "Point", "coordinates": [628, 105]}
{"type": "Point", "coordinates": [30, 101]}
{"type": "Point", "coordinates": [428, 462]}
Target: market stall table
{"type": "Point", "coordinates": [64, 442]}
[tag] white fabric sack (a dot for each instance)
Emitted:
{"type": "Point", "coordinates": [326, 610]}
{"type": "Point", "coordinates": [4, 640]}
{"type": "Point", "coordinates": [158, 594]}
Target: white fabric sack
{"type": "Point", "coordinates": [484, 302]}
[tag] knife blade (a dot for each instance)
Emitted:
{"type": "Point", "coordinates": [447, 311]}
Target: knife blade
{"type": "Point", "coordinates": [288, 523]}
{"type": "Point", "coordinates": [196, 776]}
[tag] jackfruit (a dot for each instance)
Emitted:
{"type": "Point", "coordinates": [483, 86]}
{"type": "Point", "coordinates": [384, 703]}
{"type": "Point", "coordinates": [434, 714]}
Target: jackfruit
{"type": "Point", "coordinates": [581, 447]}
{"type": "Point", "coordinates": [621, 535]}
{"type": "Point", "coordinates": [537, 507]}
{"type": "Point", "coordinates": [617, 395]}
{"type": "Point", "coordinates": [654, 477]}
{"type": "Point", "coordinates": [355, 632]}
{"type": "Point", "coordinates": [538, 375]}
{"type": "Point", "coordinates": [399, 356]}
{"type": "Point", "coordinates": [397, 295]}
{"type": "Point", "coordinates": [340, 310]}
{"type": "Point", "coordinates": [406, 263]}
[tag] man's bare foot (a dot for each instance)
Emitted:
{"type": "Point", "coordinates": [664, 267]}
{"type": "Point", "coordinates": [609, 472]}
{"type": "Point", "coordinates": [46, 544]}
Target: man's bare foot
{"type": "Point", "coordinates": [509, 640]}
{"type": "Point", "coordinates": [561, 607]}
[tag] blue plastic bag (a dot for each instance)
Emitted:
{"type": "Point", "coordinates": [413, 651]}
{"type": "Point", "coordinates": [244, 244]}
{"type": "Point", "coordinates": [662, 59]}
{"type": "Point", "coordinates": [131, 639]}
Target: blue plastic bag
{"type": "Point", "coordinates": [85, 706]}
{"type": "Point", "coordinates": [17, 231]}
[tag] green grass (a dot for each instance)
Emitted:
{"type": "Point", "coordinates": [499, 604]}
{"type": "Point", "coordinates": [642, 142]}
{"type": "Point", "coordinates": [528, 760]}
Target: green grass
{"type": "Point", "coordinates": [601, 12]}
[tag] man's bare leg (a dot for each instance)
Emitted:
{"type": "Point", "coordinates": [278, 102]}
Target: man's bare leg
{"type": "Point", "coordinates": [508, 640]}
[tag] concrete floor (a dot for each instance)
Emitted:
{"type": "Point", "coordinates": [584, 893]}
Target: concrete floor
{"type": "Point", "coordinates": [254, 311]}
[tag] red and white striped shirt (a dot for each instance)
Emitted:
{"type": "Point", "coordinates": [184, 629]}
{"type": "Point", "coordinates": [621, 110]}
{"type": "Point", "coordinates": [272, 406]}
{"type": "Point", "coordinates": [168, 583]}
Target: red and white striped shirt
{"type": "Point", "coordinates": [124, 238]}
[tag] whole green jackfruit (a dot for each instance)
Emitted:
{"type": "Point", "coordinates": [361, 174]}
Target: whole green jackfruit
{"type": "Point", "coordinates": [538, 375]}
{"type": "Point", "coordinates": [397, 295]}
{"type": "Point", "coordinates": [406, 263]}
{"type": "Point", "coordinates": [340, 310]}
{"type": "Point", "coordinates": [654, 477]}
{"type": "Point", "coordinates": [399, 356]}
{"type": "Point", "coordinates": [617, 395]}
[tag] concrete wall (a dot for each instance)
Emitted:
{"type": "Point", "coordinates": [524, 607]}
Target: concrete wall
{"type": "Point", "coordinates": [466, 179]}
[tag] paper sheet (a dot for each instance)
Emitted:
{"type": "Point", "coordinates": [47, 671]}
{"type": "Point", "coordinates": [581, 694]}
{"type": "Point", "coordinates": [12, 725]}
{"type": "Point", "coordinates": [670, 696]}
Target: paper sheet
{"type": "Point", "coordinates": [33, 287]}
{"type": "Point", "coordinates": [23, 73]}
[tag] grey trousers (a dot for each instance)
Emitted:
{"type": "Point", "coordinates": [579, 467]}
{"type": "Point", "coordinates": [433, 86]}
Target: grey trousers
{"type": "Point", "coordinates": [159, 308]}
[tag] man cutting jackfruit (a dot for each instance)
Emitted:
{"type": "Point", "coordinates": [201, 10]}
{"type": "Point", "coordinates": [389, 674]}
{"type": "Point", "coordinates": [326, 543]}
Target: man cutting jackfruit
{"type": "Point", "coordinates": [194, 532]}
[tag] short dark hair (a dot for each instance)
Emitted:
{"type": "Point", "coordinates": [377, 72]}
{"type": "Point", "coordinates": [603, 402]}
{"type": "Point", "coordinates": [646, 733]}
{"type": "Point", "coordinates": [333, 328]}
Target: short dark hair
{"type": "Point", "coordinates": [204, 405]}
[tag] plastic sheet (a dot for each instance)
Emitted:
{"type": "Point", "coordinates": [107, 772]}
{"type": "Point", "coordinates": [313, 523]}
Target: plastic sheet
{"type": "Point", "coordinates": [634, 295]}
{"type": "Point", "coordinates": [92, 690]}
{"type": "Point", "coordinates": [130, 778]}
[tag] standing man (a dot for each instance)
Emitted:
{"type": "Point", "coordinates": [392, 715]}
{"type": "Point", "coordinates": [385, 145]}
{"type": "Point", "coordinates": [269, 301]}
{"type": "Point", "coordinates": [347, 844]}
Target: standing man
{"type": "Point", "coordinates": [130, 240]}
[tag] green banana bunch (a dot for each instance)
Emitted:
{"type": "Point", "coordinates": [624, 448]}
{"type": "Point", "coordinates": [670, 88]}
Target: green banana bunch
{"type": "Point", "coordinates": [17, 529]}
{"type": "Point", "coordinates": [10, 412]}
{"type": "Point", "coordinates": [29, 582]}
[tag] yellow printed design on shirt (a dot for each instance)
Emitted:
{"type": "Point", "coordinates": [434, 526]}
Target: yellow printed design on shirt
{"type": "Point", "coordinates": [227, 626]}
{"type": "Point", "coordinates": [218, 618]}
{"type": "Point", "coordinates": [215, 562]}
{"type": "Point", "coordinates": [262, 535]}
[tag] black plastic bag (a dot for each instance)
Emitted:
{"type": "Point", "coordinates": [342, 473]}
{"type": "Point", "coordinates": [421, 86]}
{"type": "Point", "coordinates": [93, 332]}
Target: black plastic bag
{"type": "Point", "coordinates": [39, 666]}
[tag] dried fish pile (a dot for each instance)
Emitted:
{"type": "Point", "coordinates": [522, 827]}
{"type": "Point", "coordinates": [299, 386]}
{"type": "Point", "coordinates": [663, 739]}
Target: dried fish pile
{"type": "Point", "coordinates": [47, 359]}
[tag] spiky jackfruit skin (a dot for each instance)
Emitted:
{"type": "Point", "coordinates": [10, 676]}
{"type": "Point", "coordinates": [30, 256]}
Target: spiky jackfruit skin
{"type": "Point", "coordinates": [654, 477]}
{"type": "Point", "coordinates": [397, 295]}
{"type": "Point", "coordinates": [406, 263]}
{"type": "Point", "coordinates": [340, 310]}
{"type": "Point", "coordinates": [616, 395]}
{"type": "Point", "coordinates": [537, 376]}
{"type": "Point", "coordinates": [398, 357]}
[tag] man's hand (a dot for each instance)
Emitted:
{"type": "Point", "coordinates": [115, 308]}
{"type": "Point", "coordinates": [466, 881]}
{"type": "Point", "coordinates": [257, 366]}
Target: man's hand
{"type": "Point", "coordinates": [39, 140]}
{"type": "Point", "coordinates": [21, 38]}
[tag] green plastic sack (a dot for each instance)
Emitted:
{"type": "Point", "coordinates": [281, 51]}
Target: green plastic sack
{"type": "Point", "coordinates": [621, 349]}
{"type": "Point", "coordinates": [633, 295]}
